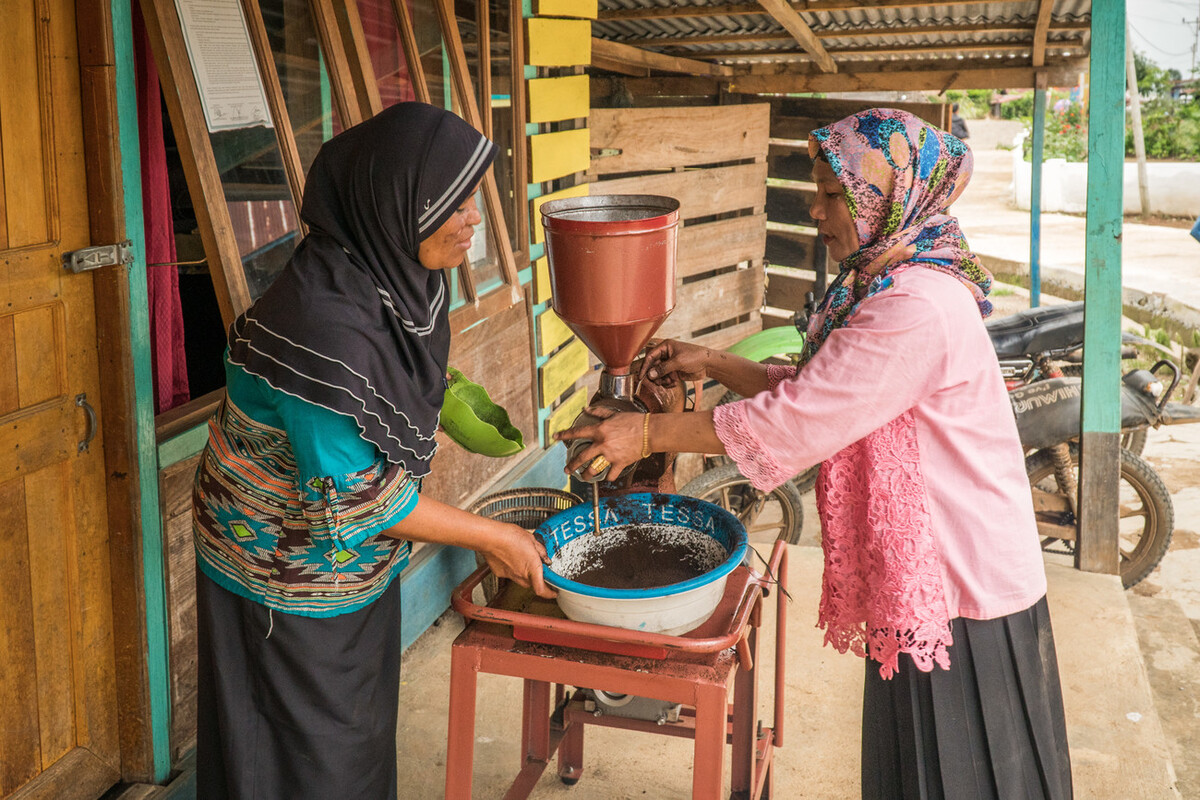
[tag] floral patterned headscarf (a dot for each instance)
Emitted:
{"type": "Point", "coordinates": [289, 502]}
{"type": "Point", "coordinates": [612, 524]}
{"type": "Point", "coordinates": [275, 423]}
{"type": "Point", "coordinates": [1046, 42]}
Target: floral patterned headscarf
{"type": "Point", "coordinates": [899, 174]}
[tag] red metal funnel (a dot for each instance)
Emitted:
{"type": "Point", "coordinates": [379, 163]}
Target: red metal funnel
{"type": "Point", "coordinates": [612, 270]}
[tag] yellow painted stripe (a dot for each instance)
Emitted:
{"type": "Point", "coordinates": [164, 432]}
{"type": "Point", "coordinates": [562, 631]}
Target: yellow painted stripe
{"type": "Point", "coordinates": [554, 99]}
{"type": "Point", "coordinates": [562, 417]}
{"type": "Point", "coordinates": [560, 372]}
{"type": "Point", "coordinates": [539, 232]}
{"type": "Point", "coordinates": [559, 42]}
{"type": "Point", "coordinates": [553, 155]}
{"type": "Point", "coordinates": [586, 9]}
{"type": "Point", "coordinates": [541, 280]}
{"type": "Point", "coordinates": [552, 332]}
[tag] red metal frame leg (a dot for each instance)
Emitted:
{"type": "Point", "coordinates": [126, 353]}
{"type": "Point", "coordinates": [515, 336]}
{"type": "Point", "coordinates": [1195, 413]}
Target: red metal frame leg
{"type": "Point", "coordinates": [570, 751]}
{"type": "Point", "coordinates": [709, 754]}
{"type": "Point", "coordinates": [460, 740]}
{"type": "Point", "coordinates": [745, 722]}
{"type": "Point", "coordinates": [535, 723]}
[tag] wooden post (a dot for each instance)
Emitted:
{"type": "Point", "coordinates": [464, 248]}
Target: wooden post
{"type": "Point", "coordinates": [1099, 468]}
{"type": "Point", "coordinates": [1035, 190]}
{"type": "Point", "coordinates": [1135, 119]}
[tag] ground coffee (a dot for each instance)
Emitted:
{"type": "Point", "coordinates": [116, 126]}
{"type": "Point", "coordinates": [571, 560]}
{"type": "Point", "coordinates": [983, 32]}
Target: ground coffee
{"type": "Point", "coordinates": [638, 557]}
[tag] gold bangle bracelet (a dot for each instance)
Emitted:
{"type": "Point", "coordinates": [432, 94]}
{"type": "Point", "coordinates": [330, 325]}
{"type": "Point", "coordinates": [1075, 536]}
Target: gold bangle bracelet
{"type": "Point", "coordinates": [645, 436]}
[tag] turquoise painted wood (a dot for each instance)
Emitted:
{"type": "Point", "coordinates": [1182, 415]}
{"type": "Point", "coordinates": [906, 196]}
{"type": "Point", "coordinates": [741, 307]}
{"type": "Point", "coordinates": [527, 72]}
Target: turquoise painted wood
{"type": "Point", "coordinates": [1098, 547]}
{"type": "Point", "coordinates": [1102, 278]}
{"type": "Point", "coordinates": [1035, 198]}
{"type": "Point", "coordinates": [183, 446]}
{"type": "Point", "coordinates": [153, 549]}
{"type": "Point", "coordinates": [425, 587]}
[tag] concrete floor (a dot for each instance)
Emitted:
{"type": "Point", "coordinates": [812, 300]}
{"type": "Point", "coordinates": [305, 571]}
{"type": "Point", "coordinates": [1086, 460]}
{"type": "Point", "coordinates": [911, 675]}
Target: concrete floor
{"type": "Point", "coordinates": [1118, 747]}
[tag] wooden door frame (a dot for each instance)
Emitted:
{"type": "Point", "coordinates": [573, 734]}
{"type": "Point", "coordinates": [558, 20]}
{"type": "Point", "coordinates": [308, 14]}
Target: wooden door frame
{"type": "Point", "coordinates": [114, 193]}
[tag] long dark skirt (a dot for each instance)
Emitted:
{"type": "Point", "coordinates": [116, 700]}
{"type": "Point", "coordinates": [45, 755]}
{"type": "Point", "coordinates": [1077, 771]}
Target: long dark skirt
{"type": "Point", "coordinates": [991, 726]}
{"type": "Point", "coordinates": [296, 707]}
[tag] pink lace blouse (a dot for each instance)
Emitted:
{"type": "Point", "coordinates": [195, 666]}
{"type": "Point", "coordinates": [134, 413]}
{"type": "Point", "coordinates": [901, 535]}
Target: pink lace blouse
{"type": "Point", "coordinates": [925, 507]}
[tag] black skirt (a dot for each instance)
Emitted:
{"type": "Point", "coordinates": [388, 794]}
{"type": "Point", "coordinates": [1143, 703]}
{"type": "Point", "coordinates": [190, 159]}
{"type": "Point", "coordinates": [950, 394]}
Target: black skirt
{"type": "Point", "coordinates": [991, 726]}
{"type": "Point", "coordinates": [295, 707]}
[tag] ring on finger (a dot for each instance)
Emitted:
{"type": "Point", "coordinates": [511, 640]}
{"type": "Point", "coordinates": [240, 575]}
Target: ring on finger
{"type": "Point", "coordinates": [600, 463]}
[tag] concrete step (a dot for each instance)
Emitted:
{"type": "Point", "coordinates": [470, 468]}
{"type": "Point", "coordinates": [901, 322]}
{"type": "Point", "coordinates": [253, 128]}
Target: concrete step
{"type": "Point", "coordinates": [1171, 653]}
{"type": "Point", "coordinates": [1118, 747]}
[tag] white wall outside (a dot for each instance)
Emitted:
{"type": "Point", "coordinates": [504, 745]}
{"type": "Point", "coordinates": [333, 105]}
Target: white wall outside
{"type": "Point", "coordinates": [1174, 186]}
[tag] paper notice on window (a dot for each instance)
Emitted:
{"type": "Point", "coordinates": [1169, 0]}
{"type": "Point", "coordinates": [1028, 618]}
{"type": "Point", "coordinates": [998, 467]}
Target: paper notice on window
{"type": "Point", "coordinates": [218, 44]}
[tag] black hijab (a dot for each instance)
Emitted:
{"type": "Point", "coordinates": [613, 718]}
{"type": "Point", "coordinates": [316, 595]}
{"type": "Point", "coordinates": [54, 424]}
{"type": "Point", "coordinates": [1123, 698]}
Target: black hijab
{"type": "Point", "coordinates": [354, 323]}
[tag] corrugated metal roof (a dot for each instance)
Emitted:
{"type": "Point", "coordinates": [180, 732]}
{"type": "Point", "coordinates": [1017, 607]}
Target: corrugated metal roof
{"type": "Point", "coordinates": [747, 34]}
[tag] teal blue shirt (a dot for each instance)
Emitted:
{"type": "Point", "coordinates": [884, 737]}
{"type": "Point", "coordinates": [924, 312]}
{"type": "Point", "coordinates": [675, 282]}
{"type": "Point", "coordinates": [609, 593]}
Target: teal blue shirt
{"type": "Point", "coordinates": [290, 502]}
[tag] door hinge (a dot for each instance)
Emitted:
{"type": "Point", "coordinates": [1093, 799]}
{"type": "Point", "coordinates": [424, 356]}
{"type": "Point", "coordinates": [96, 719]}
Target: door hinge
{"type": "Point", "coordinates": [102, 255]}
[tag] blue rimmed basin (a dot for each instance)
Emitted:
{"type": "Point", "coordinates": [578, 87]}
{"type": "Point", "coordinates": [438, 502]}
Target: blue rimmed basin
{"type": "Point", "coordinates": [672, 609]}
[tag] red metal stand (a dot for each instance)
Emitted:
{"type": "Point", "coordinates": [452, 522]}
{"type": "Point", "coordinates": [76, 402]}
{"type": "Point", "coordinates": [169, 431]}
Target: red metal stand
{"type": "Point", "coordinates": [695, 669]}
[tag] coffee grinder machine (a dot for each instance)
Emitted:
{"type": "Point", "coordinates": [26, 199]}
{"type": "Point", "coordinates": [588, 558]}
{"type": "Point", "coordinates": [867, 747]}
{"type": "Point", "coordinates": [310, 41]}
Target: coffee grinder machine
{"type": "Point", "coordinates": [612, 275]}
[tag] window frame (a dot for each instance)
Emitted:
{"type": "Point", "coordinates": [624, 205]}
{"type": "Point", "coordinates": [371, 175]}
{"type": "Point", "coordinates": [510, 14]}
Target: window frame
{"type": "Point", "coordinates": [356, 97]}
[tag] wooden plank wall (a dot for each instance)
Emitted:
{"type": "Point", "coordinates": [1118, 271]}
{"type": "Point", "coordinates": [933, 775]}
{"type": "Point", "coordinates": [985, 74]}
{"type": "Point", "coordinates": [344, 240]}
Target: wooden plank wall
{"type": "Point", "coordinates": [714, 161]}
{"type": "Point", "coordinates": [796, 259]}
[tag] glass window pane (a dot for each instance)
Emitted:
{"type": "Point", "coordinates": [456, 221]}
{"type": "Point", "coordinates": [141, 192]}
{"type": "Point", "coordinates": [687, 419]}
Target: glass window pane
{"type": "Point", "coordinates": [387, 53]}
{"type": "Point", "coordinates": [429, 45]}
{"type": "Point", "coordinates": [259, 199]}
{"type": "Point", "coordinates": [296, 50]}
{"type": "Point", "coordinates": [485, 263]}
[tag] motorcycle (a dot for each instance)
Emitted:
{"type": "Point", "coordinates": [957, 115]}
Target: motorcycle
{"type": "Point", "coordinates": [1032, 346]}
{"type": "Point", "coordinates": [1047, 342]}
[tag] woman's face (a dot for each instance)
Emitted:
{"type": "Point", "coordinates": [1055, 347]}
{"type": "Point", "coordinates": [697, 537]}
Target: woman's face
{"type": "Point", "coordinates": [835, 226]}
{"type": "Point", "coordinates": [446, 247]}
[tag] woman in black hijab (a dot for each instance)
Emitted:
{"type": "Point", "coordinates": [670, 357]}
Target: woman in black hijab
{"type": "Point", "coordinates": [306, 498]}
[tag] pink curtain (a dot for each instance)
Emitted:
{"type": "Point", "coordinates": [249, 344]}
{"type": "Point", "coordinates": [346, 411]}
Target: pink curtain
{"type": "Point", "coordinates": [166, 312]}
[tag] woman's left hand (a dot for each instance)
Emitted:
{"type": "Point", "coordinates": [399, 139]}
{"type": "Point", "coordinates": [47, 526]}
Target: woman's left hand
{"type": "Point", "coordinates": [617, 436]}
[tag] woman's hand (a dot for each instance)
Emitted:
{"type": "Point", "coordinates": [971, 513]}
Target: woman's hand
{"type": "Point", "coordinates": [511, 551]}
{"type": "Point", "coordinates": [516, 554]}
{"type": "Point", "coordinates": [671, 360]}
{"type": "Point", "coordinates": [617, 436]}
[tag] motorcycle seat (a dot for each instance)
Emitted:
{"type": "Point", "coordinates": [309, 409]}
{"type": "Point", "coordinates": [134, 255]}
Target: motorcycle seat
{"type": "Point", "coordinates": [1038, 330]}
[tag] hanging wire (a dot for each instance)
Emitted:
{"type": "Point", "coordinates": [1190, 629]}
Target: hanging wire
{"type": "Point", "coordinates": [179, 263]}
{"type": "Point", "coordinates": [771, 575]}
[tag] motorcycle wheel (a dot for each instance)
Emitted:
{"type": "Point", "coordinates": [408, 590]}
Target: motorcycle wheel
{"type": "Point", "coordinates": [804, 482]}
{"type": "Point", "coordinates": [1147, 514]}
{"type": "Point", "coordinates": [767, 516]}
{"type": "Point", "coordinates": [1135, 441]}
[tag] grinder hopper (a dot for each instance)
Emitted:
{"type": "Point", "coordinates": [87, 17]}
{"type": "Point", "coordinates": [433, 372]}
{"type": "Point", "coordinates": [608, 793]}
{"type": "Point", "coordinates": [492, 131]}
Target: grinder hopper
{"type": "Point", "coordinates": [612, 274]}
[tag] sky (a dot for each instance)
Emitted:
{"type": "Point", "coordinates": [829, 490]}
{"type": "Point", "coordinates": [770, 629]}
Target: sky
{"type": "Point", "coordinates": [1165, 31]}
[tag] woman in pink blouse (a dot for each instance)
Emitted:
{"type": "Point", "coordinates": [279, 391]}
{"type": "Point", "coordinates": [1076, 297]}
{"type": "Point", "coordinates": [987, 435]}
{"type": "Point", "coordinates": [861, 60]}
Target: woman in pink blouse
{"type": "Point", "coordinates": [933, 569]}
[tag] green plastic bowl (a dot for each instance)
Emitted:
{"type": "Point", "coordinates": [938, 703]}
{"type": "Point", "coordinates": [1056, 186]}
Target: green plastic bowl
{"type": "Point", "coordinates": [470, 418]}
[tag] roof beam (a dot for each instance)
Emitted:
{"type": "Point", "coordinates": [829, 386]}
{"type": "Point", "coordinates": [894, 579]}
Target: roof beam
{"type": "Point", "coordinates": [912, 77]}
{"type": "Point", "coordinates": [743, 9]}
{"type": "Point", "coordinates": [858, 33]}
{"type": "Point", "coordinates": [617, 57]}
{"type": "Point", "coordinates": [977, 48]}
{"type": "Point", "coordinates": [786, 16]}
{"type": "Point", "coordinates": [853, 77]}
{"type": "Point", "coordinates": [1041, 31]}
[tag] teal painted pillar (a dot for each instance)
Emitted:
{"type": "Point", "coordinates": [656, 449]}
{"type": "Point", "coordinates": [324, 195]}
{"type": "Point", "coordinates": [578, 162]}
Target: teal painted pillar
{"type": "Point", "coordinates": [1035, 197]}
{"type": "Point", "coordinates": [153, 568]}
{"type": "Point", "coordinates": [1099, 473]}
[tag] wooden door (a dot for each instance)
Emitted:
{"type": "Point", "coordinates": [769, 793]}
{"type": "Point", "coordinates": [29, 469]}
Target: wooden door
{"type": "Point", "coordinates": [59, 735]}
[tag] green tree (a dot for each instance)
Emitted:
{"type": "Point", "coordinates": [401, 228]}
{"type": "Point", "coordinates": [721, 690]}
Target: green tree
{"type": "Point", "coordinates": [1171, 127]}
